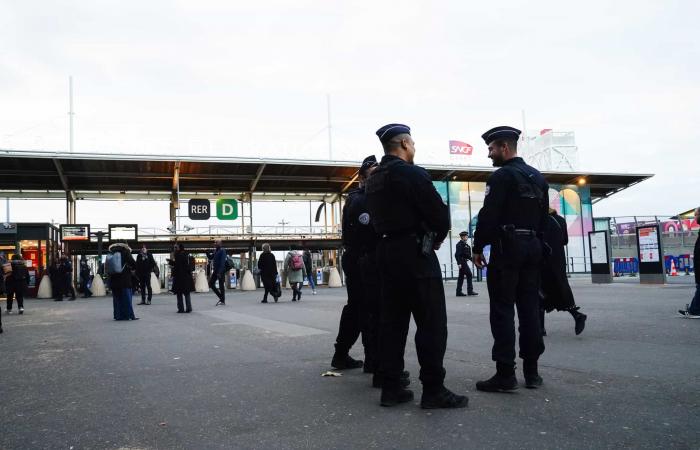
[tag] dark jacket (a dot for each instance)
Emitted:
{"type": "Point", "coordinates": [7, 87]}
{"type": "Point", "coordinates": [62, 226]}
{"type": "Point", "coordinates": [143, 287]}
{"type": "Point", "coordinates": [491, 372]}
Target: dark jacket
{"type": "Point", "coordinates": [696, 256]}
{"type": "Point", "coordinates": [84, 270]}
{"type": "Point", "coordinates": [144, 265]}
{"type": "Point", "coordinates": [122, 280]}
{"type": "Point", "coordinates": [463, 253]}
{"type": "Point", "coordinates": [307, 260]}
{"type": "Point", "coordinates": [19, 275]}
{"type": "Point", "coordinates": [555, 285]}
{"type": "Point", "coordinates": [182, 275]}
{"type": "Point", "coordinates": [218, 260]}
{"type": "Point", "coordinates": [267, 264]}
{"type": "Point", "coordinates": [404, 204]}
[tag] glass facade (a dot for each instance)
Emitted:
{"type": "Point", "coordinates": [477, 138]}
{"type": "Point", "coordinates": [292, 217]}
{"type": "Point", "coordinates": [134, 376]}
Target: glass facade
{"type": "Point", "coordinates": [465, 199]}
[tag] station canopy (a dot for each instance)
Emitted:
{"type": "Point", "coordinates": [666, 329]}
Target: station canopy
{"type": "Point", "coordinates": [46, 174]}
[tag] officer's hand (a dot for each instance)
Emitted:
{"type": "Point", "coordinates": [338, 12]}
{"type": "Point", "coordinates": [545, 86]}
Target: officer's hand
{"type": "Point", "coordinates": [459, 266]}
{"type": "Point", "coordinates": [436, 246]}
{"type": "Point", "coordinates": [479, 260]}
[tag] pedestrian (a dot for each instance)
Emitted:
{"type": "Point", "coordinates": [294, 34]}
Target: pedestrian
{"type": "Point", "coordinates": [308, 263]}
{"type": "Point", "coordinates": [85, 272]}
{"type": "Point", "coordinates": [3, 261]}
{"type": "Point", "coordinates": [120, 267]}
{"type": "Point", "coordinates": [556, 292]}
{"type": "Point", "coordinates": [218, 272]}
{"type": "Point", "coordinates": [463, 254]}
{"type": "Point", "coordinates": [66, 271]}
{"type": "Point", "coordinates": [358, 238]}
{"type": "Point", "coordinates": [56, 279]}
{"type": "Point", "coordinates": [412, 221]}
{"type": "Point", "coordinates": [692, 311]}
{"type": "Point", "coordinates": [267, 265]}
{"type": "Point", "coordinates": [296, 272]}
{"type": "Point", "coordinates": [16, 283]}
{"type": "Point", "coordinates": [511, 221]}
{"type": "Point", "coordinates": [145, 265]}
{"type": "Point", "coordinates": [183, 284]}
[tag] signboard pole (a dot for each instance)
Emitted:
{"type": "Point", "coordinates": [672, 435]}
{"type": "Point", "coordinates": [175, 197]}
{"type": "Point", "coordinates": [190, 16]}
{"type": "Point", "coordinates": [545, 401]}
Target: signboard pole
{"type": "Point", "coordinates": [599, 256]}
{"type": "Point", "coordinates": [651, 264]}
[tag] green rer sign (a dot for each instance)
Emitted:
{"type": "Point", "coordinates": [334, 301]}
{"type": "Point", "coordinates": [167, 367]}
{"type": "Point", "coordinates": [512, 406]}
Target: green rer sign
{"type": "Point", "coordinates": [226, 209]}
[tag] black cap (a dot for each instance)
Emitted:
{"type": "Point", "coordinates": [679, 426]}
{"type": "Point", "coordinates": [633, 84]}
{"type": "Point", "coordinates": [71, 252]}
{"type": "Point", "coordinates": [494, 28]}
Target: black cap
{"type": "Point", "coordinates": [368, 163]}
{"type": "Point", "coordinates": [503, 132]}
{"type": "Point", "coordinates": [387, 132]}
{"type": "Point", "coordinates": [463, 233]}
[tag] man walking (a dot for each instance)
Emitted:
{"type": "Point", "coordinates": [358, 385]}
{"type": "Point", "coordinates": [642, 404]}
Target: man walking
{"type": "Point", "coordinates": [84, 274]}
{"type": "Point", "coordinates": [463, 254]}
{"type": "Point", "coordinates": [144, 266]}
{"type": "Point", "coordinates": [412, 221]}
{"type": "Point", "coordinates": [218, 272]}
{"type": "Point", "coordinates": [692, 311]}
{"type": "Point", "coordinates": [511, 221]}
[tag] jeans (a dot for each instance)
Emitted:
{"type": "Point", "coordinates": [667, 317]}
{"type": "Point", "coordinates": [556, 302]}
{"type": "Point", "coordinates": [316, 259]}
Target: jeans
{"type": "Point", "coordinates": [312, 283]}
{"type": "Point", "coordinates": [222, 286]}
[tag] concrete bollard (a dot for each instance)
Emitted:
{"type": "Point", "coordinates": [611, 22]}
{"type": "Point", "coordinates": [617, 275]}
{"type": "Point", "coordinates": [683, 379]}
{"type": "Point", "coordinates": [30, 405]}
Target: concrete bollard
{"type": "Point", "coordinates": [334, 279]}
{"type": "Point", "coordinates": [98, 287]}
{"type": "Point", "coordinates": [155, 284]}
{"type": "Point", "coordinates": [247, 281]}
{"type": "Point", "coordinates": [44, 287]}
{"type": "Point", "coordinates": [200, 282]}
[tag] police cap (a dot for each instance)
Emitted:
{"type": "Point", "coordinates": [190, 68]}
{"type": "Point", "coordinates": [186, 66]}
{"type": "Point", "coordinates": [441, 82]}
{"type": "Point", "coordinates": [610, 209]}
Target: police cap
{"type": "Point", "coordinates": [503, 132]}
{"type": "Point", "coordinates": [463, 233]}
{"type": "Point", "coordinates": [387, 132]}
{"type": "Point", "coordinates": [368, 163]}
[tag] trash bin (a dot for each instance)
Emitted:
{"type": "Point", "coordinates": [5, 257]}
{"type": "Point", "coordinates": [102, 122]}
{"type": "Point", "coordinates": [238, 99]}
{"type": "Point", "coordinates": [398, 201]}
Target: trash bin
{"type": "Point", "coordinates": [326, 274]}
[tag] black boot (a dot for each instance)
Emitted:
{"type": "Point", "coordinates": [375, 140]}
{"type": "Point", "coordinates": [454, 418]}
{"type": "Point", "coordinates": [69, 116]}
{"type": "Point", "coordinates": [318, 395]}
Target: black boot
{"type": "Point", "coordinates": [533, 380]}
{"type": "Point", "coordinates": [442, 398]}
{"type": "Point", "coordinates": [392, 397]}
{"type": "Point", "coordinates": [341, 360]}
{"type": "Point", "coordinates": [503, 381]}
{"type": "Point", "coordinates": [461, 294]}
{"type": "Point", "coordinates": [580, 320]}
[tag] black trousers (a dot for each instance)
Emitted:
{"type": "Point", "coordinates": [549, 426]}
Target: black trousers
{"type": "Point", "coordinates": [69, 285]}
{"type": "Point", "coordinates": [84, 287]}
{"type": "Point", "coordinates": [13, 293]}
{"type": "Point", "coordinates": [465, 271]}
{"type": "Point", "coordinates": [145, 284]}
{"type": "Point", "coordinates": [515, 281]}
{"type": "Point", "coordinates": [221, 292]}
{"type": "Point", "coordinates": [188, 303]}
{"type": "Point", "coordinates": [404, 294]}
{"type": "Point", "coordinates": [351, 320]}
{"type": "Point", "coordinates": [371, 309]}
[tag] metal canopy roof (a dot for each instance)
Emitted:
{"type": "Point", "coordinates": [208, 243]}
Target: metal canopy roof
{"type": "Point", "coordinates": [60, 172]}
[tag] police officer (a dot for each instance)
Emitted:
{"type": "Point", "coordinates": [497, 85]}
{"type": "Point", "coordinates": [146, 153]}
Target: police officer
{"type": "Point", "coordinates": [412, 221]}
{"type": "Point", "coordinates": [511, 221]}
{"type": "Point", "coordinates": [463, 253]}
{"type": "Point", "coordinates": [359, 238]}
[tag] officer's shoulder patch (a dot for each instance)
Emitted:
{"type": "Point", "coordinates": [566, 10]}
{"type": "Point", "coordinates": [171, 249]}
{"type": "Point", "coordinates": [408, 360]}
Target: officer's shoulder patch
{"type": "Point", "coordinates": [364, 218]}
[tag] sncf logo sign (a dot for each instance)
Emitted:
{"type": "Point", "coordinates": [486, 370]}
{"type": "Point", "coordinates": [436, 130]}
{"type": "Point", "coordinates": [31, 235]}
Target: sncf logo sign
{"type": "Point", "coordinates": [460, 148]}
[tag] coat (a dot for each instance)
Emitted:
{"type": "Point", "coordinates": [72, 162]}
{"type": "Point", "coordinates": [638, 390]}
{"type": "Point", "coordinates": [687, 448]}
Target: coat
{"type": "Point", "coordinates": [555, 285]}
{"type": "Point", "coordinates": [182, 274]}
{"type": "Point", "coordinates": [696, 258]}
{"type": "Point", "coordinates": [144, 265]}
{"type": "Point", "coordinates": [122, 280]}
{"type": "Point", "coordinates": [294, 276]}
{"type": "Point", "coordinates": [267, 264]}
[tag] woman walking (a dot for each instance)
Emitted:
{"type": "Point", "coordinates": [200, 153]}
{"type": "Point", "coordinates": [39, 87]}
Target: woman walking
{"type": "Point", "coordinates": [296, 272]}
{"type": "Point", "coordinates": [16, 283]}
{"type": "Point", "coordinates": [183, 284]}
{"type": "Point", "coordinates": [267, 264]}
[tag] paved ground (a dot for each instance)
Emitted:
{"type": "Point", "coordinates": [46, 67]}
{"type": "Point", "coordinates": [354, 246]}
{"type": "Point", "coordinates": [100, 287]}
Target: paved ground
{"type": "Point", "coordinates": [248, 376]}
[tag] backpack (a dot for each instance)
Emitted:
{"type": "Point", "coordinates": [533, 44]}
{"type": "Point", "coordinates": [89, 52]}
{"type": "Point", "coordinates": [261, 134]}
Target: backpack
{"type": "Point", "coordinates": [229, 264]}
{"type": "Point", "coordinates": [114, 263]}
{"type": "Point", "coordinates": [297, 261]}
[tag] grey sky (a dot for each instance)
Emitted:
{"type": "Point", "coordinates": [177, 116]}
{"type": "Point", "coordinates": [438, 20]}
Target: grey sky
{"type": "Point", "coordinates": [251, 78]}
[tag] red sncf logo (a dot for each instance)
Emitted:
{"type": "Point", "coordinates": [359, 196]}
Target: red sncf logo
{"type": "Point", "coordinates": [460, 148]}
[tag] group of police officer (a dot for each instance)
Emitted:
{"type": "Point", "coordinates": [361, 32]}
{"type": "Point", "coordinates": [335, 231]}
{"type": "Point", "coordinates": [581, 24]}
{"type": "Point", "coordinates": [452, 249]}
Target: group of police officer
{"type": "Point", "coordinates": [392, 225]}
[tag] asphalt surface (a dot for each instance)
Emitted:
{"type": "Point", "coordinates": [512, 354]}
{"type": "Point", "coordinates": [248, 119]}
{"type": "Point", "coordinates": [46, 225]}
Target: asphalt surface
{"type": "Point", "coordinates": [248, 375]}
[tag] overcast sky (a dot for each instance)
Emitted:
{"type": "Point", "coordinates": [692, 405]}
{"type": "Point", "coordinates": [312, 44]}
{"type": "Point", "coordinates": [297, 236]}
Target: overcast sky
{"type": "Point", "coordinates": [251, 79]}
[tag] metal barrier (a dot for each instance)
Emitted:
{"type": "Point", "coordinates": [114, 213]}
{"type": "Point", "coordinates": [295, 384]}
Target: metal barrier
{"type": "Point", "coordinates": [625, 266]}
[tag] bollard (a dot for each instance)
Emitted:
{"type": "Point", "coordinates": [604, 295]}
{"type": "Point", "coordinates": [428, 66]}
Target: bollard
{"type": "Point", "coordinates": [200, 282]}
{"type": "Point", "coordinates": [44, 287]}
{"type": "Point", "coordinates": [98, 287]}
{"type": "Point", "coordinates": [155, 284]}
{"type": "Point", "coordinates": [334, 278]}
{"type": "Point", "coordinates": [247, 281]}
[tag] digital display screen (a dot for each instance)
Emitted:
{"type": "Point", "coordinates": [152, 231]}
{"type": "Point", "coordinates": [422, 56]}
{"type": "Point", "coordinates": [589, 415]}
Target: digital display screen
{"type": "Point", "coordinates": [123, 232]}
{"type": "Point", "coordinates": [75, 232]}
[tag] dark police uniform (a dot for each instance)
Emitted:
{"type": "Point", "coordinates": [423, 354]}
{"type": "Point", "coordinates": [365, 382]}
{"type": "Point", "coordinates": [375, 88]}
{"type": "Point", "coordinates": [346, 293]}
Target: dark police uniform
{"type": "Point", "coordinates": [359, 240]}
{"type": "Point", "coordinates": [463, 253]}
{"type": "Point", "coordinates": [514, 213]}
{"type": "Point", "coordinates": [404, 205]}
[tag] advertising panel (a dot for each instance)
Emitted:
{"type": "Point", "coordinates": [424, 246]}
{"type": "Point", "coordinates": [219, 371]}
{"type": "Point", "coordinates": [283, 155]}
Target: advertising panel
{"type": "Point", "coordinates": [599, 249]}
{"type": "Point", "coordinates": [649, 244]}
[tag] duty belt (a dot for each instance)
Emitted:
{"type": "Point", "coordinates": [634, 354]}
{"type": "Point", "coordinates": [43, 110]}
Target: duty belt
{"type": "Point", "coordinates": [397, 234]}
{"type": "Point", "coordinates": [525, 232]}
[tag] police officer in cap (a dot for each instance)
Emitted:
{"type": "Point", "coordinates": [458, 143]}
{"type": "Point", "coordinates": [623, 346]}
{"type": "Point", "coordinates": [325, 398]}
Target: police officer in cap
{"type": "Point", "coordinates": [359, 238]}
{"type": "Point", "coordinates": [511, 221]}
{"type": "Point", "coordinates": [463, 253]}
{"type": "Point", "coordinates": [412, 221]}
